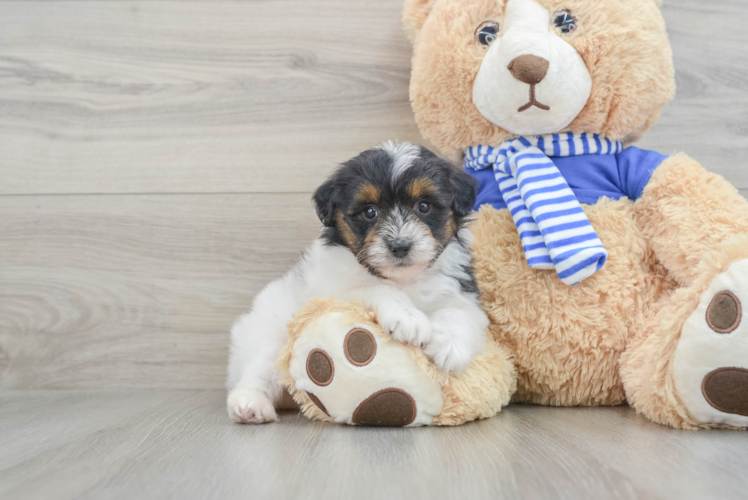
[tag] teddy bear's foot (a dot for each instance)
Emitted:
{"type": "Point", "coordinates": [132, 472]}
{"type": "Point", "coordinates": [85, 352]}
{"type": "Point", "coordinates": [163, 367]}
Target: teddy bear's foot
{"type": "Point", "coordinates": [354, 373]}
{"type": "Point", "coordinates": [710, 367]}
{"type": "Point", "coordinates": [340, 366]}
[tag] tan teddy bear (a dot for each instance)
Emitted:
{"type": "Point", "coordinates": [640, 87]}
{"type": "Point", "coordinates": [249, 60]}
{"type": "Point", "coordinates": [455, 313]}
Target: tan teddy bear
{"type": "Point", "coordinates": [610, 274]}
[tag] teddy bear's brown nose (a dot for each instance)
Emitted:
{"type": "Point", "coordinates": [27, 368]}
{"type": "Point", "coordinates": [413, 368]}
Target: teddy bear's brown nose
{"type": "Point", "coordinates": [529, 69]}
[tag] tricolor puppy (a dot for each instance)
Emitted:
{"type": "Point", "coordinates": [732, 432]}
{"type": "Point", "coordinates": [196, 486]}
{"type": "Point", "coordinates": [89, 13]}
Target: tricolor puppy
{"type": "Point", "coordinates": [395, 238]}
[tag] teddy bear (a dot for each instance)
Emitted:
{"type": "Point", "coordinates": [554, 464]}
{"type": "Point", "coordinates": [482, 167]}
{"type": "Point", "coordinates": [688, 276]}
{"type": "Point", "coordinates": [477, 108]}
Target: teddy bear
{"type": "Point", "coordinates": [610, 274]}
{"type": "Point", "coordinates": [340, 366]}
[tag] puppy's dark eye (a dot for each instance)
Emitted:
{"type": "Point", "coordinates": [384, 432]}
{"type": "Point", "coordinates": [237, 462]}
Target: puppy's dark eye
{"type": "Point", "coordinates": [486, 33]}
{"type": "Point", "coordinates": [564, 21]}
{"type": "Point", "coordinates": [370, 212]}
{"type": "Point", "coordinates": [423, 207]}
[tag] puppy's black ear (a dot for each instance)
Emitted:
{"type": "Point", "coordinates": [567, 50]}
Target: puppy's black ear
{"type": "Point", "coordinates": [464, 193]}
{"type": "Point", "coordinates": [323, 202]}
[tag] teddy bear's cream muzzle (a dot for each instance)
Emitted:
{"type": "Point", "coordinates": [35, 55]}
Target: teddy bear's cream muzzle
{"type": "Point", "coordinates": [531, 80]}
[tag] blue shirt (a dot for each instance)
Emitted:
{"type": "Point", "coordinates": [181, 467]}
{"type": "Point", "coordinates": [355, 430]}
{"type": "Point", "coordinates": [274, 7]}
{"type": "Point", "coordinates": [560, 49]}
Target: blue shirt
{"type": "Point", "coordinates": [590, 176]}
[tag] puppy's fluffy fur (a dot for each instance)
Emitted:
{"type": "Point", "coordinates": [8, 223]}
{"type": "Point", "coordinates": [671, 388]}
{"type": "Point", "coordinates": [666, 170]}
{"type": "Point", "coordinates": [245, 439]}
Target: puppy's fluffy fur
{"type": "Point", "coordinates": [395, 238]}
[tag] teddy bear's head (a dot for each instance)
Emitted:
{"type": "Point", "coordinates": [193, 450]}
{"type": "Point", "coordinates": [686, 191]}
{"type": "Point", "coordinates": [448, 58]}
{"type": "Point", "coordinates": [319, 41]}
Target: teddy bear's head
{"type": "Point", "coordinates": [485, 71]}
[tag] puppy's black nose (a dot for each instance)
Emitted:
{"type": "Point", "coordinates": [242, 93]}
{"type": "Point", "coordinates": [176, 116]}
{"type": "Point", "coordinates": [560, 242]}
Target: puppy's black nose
{"type": "Point", "coordinates": [400, 248]}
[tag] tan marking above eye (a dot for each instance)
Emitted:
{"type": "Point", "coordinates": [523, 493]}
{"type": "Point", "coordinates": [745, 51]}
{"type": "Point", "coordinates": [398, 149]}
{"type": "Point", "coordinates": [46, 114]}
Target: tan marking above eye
{"type": "Point", "coordinates": [368, 193]}
{"type": "Point", "coordinates": [421, 187]}
{"type": "Point", "coordinates": [724, 312]}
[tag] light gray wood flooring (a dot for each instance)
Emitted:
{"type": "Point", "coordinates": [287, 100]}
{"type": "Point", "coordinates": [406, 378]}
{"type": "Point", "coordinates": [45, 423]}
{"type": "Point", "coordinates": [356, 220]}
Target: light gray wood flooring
{"type": "Point", "coordinates": [157, 160]}
{"type": "Point", "coordinates": [155, 444]}
{"type": "Point", "coordinates": [156, 165]}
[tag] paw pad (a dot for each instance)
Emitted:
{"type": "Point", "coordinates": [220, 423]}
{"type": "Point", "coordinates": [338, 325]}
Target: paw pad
{"type": "Point", "coordinates": [318, 403]}
{"type": "Point", "coordinates": [388, 407]}
{"type": "Point", "coordinates": [319, 367]}
{"type": "Point", "coordinates": [726, 389]}
{"type": "Point", "coordinates": [724, 312]}
{"type": "Point", "coordinates": [359, 347]}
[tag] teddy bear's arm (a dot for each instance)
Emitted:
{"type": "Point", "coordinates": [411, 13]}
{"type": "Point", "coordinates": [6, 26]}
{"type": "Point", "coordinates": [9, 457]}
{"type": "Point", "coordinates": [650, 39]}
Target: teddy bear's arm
{"type": "Point", "coordinates": [686, 212]}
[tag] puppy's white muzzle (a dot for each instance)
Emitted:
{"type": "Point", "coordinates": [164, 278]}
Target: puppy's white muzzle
{"type": "Point", "coordinates": [405, 227]}
{"type": "Point", "coordinates": [501, 95]}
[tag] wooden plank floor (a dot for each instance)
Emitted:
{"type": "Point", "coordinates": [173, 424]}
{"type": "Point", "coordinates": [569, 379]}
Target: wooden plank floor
{"type": "Point", "coordinates": [179, 444]}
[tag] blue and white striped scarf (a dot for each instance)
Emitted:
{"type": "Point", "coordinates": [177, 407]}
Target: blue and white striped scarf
{"type": "Point", "coordinates": [555, 231]}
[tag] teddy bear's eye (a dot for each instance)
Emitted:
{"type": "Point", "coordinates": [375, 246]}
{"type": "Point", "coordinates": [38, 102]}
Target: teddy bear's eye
{"type": "Point", "coordinates": [563, 20]}
{"type": "Point", "coordinates": [486, 33]}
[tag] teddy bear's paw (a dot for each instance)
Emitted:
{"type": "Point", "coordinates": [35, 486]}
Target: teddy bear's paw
{"type": "Point", "coordinates": [710, 367]}
{"type": "Point", "coordinates": [250, 407]}
{"type": "Point", "coordinates": [406, 324]}
{"type": "Point", "coordinates": [358, 374]}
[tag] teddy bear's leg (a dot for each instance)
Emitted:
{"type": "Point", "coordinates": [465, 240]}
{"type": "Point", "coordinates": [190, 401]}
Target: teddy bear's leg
{"type": "Point", "coordinates": [341, 366]}
{"type": "Point", "coordinates": [687, 366]}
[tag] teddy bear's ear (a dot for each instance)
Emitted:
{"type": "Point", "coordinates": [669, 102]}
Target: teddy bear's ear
{"type": "Point", "coordinates": [415, 13]}
{"type": "Point", "coordinates": [658, 2]}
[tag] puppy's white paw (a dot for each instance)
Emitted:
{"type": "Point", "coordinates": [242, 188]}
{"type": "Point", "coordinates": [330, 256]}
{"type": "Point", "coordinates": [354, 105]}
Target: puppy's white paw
{"type": "Point", "coordinates": [454, 343]}
{"type": "Point", "coordinates": [449, 355]}
{"type": "Point", "coordinates": [406, 324]}
{"type": "Point", "coordinates": [250, 407]}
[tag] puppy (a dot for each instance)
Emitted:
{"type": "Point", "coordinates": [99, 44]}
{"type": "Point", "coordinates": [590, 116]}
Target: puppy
{"type": "Point", "coordinates": [395, 238]}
